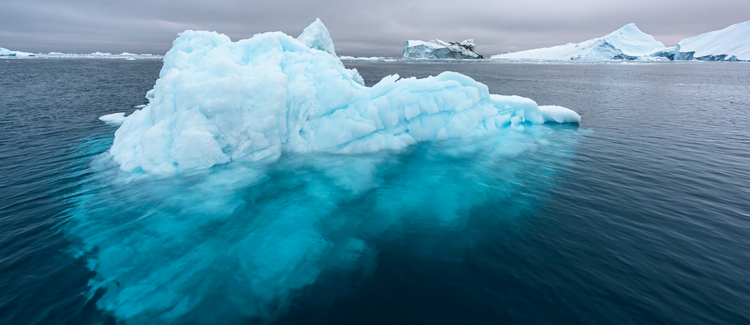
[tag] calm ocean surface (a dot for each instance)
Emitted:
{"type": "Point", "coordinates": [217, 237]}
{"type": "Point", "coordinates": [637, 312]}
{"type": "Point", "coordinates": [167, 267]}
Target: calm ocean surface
{"type": "Point", "coordinates": [639, 215]}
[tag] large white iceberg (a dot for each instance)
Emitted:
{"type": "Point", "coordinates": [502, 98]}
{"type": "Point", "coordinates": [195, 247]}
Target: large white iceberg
{"type": "Point", "coordinates": [7, 52]}
{"type": "Point", "coordinates": [731, 43]}
{"type": "Point", "coordinates": [437, 49]}
{"type": "Point", "coordinates": [218, 101]}
{"type": "Point", "coordinates": [626, 43]}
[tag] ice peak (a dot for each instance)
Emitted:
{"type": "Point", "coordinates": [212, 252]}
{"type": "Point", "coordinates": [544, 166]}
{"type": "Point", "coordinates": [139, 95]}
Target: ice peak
{"type": "Point", "coordinates": [316, 36]}
{"type": "Point", "coordinates": [629, 29]}
{"type": "Point", "coordinates": [628, 42]}
{"type": "Point", "coordinates": [632, 41]}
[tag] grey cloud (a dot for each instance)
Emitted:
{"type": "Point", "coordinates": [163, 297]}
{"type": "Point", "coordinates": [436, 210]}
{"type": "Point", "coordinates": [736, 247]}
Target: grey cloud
{"type": "Point", "coordinates": [357, 27]}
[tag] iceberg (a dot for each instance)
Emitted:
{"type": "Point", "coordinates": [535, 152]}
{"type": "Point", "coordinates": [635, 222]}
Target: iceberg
{"type": "Point", "coordinates": [263, 171]}
{"type": "Point", "coordinates": [113, 119]}
{"type": "Point", "coordinates": [626, 43]}
{"type": "Point", "coordinates": [7, 52]}
{"type": "Point", "coordinates": [729, 44]}
{"type": "Point", "coordinates": [218, 101]}
{"type": "Point", "coordinates": [97, 55]}
{"type": "Point", "coordinates": [437, 49]}
{"type": "Point", "coordinates": [665, 54]}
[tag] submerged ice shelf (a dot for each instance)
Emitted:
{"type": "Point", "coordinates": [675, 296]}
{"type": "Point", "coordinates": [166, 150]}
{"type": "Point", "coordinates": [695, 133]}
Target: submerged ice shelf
{"type": "Point", "coordinates": [263, 169]}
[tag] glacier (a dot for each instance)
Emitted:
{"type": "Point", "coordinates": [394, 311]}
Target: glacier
{"type": "Point", "coordinates": [729, 44]}
{"type": "Point", "coordinates": [438, 49]}
{"type": "Point", "coordinates": [218, 101]}
{"type": "Point", "coordinates": [626, 43]}
{"type": "Point", "coordinates": [263, 174]}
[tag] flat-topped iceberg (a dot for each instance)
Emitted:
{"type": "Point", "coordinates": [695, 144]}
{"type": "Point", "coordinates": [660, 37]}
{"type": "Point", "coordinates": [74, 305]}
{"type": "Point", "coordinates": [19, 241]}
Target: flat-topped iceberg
{"type": "Point", "coordinates": [7, 52]}
{"type": "Point", "coordinates": [626, 43]}
{"type": "Point", "coordinates": [218, 101]}
{"type": "Point", "coordinates": [730, 44]}
{"type": "Point", "coordinates": [437, 49]}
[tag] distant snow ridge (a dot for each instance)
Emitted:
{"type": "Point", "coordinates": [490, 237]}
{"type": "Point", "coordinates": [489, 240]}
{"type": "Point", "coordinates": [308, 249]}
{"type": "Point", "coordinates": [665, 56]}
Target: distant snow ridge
{"type": "Point", "coordinates": [437, 49]}
{"type": "Point", "coordinates": [218, 101]}
{"type": "Point", "coordinates": [626, 43]}
{"type": "Point", "coordinates": [729, 44]}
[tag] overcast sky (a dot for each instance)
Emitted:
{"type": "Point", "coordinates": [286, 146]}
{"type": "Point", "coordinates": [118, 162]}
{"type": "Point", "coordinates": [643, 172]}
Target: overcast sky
{"type": "Point", "coordinates": [361, 28]}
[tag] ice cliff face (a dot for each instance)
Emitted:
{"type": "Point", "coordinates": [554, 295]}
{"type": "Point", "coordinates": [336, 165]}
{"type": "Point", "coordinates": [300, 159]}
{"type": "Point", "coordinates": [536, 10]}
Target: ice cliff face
{"type": "Point", "coordinates": [626, 43]}
{"type": "Point", "coordinates": [218, 101]}
{"type": "Point", "coordinates": [730, 44]}
{"type": "Point", "coordinates": [437, 49]}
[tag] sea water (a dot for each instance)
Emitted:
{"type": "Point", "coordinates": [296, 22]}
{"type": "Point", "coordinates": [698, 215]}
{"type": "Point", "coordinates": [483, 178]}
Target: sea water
{"type": "Point", "coordinates": [637, 215]}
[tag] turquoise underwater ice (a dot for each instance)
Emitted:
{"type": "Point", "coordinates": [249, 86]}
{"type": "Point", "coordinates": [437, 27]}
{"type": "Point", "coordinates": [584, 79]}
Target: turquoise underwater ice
{"type": "Point", "coordinates": [213, 207]}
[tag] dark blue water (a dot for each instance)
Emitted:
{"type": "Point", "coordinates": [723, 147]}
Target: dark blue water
{"type": "Point", "coordinates": [639, 215]}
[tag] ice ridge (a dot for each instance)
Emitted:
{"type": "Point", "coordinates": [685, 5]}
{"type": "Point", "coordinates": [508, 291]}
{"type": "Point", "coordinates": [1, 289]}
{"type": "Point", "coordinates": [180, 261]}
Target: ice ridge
{"type": "Point", "coordinates": [626, 43]}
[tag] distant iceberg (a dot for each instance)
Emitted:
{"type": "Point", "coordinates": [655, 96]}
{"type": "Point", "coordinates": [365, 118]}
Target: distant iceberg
{"type": "Point", "coordinates": [437, 49]}
{"type": "Point", "coordinates": [7, 52]}
{"type": "Point", "coordinates": [59, 55]}
{"type": "Point", "coordinates": [218, 101]}
{"type": "Point", "coordinates": [626, 43]}
{"type": "Point", "coordinates": [729, 44]}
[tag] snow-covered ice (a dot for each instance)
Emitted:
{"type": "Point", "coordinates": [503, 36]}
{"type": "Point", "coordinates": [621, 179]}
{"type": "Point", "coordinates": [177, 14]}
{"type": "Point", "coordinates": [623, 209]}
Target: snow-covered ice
{"type": "Point", "coordinates": [626, 43]}
{"type": "Point", "coordinates": [731, 43]}
{"type": "Point", "coordinates": [437, 49]}
{"type": "Point", "coordinates": [218, 101]}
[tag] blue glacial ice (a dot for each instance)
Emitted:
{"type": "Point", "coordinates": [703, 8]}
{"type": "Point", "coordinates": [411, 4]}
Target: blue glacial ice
{"type": "Point", "coordinates": [263, 172]}
{"type": "Point", "coordinates": [218, 101]}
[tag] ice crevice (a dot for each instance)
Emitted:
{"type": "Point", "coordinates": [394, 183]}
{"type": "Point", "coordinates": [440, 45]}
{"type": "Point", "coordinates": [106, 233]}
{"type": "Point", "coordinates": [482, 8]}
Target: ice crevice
{"type": "Point", "coordinates": [218, 101]}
